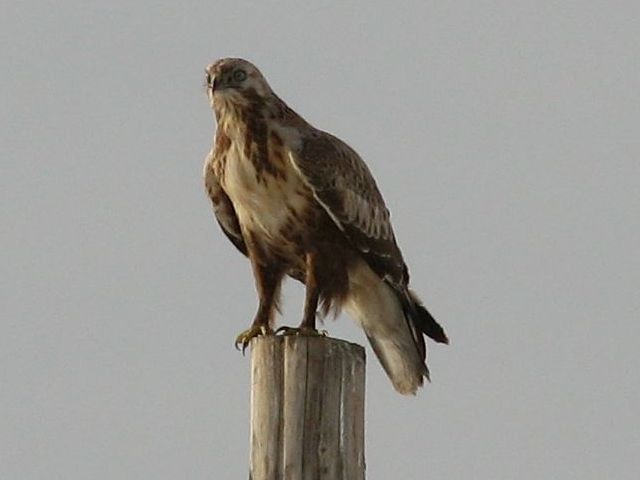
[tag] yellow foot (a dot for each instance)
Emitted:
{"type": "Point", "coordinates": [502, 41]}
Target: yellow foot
{"type": "Point", "coordinates": [302, 331]}
{"type": "Point", "coordinates": [244, 339]}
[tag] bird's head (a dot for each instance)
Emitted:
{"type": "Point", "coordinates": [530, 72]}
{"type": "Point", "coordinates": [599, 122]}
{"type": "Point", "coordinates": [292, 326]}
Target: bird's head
{"type": "Point", "coordinates": [234, 82]}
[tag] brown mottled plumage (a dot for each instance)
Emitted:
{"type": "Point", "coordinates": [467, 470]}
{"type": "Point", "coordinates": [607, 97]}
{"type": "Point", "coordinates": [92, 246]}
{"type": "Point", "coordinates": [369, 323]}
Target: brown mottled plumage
{"type": "Point", "coordinates": [300, 202]}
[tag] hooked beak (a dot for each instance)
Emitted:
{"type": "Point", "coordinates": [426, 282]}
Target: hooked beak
{"type": "Point", "coordinates": [215, 83]}
{"type": "Point", "coordinates": [211, 81]}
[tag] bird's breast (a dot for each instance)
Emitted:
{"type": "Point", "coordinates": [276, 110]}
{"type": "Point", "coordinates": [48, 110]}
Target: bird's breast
{"type": "Point", "coordinates": [270, 201]}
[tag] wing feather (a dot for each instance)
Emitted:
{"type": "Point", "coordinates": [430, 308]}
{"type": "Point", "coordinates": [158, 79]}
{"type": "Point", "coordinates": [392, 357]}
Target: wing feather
{"type": "Point", "coordinates": [342, 183]}
{"type": "Point", "coordinates": [223, 208]}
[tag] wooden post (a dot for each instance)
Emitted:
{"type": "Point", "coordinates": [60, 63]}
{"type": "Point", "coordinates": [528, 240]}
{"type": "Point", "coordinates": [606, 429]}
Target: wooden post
{"type": "Point", "coordinates": [307, 409]}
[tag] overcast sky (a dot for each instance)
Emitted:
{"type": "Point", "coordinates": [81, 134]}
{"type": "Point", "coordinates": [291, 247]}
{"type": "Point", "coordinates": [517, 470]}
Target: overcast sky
{"type": "Point", "coordinates": [505, 138]}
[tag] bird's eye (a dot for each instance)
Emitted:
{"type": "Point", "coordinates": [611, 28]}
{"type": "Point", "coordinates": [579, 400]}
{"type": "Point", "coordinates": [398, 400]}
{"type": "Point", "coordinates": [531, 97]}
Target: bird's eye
{"type": "Point", "coordinates": [208, 79]}
{"type": "Point", "coordinates": [239, 75]}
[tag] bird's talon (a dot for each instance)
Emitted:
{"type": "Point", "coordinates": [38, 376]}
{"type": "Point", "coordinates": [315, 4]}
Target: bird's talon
{"type": "Point", "coordinates": [286, 331]}
{"type": "Point", "coordinates": [301, 331]}
{"type": "Point", "coordinates": [244, 339]}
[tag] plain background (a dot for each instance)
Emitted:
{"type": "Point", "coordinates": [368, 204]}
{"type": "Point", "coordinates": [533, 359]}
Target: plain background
{"type": "Point", "coordinates": [505, 138]}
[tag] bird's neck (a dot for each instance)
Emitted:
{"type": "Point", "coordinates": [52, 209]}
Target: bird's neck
{"type": "Point", "coordinates": [257, 114]}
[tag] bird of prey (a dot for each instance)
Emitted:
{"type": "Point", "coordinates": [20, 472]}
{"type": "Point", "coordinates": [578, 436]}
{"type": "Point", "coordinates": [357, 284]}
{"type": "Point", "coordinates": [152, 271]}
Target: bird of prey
{"type": "Point", "coordinates": [299, 202]}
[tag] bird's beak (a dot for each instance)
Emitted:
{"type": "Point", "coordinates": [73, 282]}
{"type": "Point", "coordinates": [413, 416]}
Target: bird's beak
{"type": "Point", "coordinates": [215, 83]}
{"type": "Point", "coordinates": [211, 82]}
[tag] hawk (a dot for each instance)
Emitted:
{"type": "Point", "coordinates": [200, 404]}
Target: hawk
{"type": "Point", "coordinates": [299, 202]}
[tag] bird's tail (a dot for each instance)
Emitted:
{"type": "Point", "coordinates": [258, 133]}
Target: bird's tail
{"type": "Point", "coordinates": [420, 317]}
{"type": "Point", "coordinates": [394, 322]}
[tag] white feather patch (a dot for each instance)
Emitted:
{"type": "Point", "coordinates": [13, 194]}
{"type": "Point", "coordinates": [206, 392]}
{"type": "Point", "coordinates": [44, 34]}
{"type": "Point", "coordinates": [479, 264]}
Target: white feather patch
{"type": "Point", "coordinates": [375, 306]}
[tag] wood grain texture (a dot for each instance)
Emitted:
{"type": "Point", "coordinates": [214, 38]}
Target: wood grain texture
{"type": "Point", "coordinates": [307, 409]}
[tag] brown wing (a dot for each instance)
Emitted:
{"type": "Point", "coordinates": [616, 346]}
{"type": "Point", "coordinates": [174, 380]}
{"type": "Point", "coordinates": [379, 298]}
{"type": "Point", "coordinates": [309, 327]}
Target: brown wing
{"type": "Point", "coordinates": [344, 186]}
{"type": "Point", "coordinates": [223, 209]}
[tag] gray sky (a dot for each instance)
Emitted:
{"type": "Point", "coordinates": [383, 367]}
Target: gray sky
{"type": "Point", "coordinates": [504, 136]}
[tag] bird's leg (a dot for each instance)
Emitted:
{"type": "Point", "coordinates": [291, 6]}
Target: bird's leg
{"type": "Point", "coordinates": [308, 324]}
{"type": "Point", "coordinates": [311, 294]}
{"type": "Point", "coordinates": [268, 280]}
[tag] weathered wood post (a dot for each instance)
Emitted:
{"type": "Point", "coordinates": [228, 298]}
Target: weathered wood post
{"type": "Point", "coordinates": [307, 409]}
